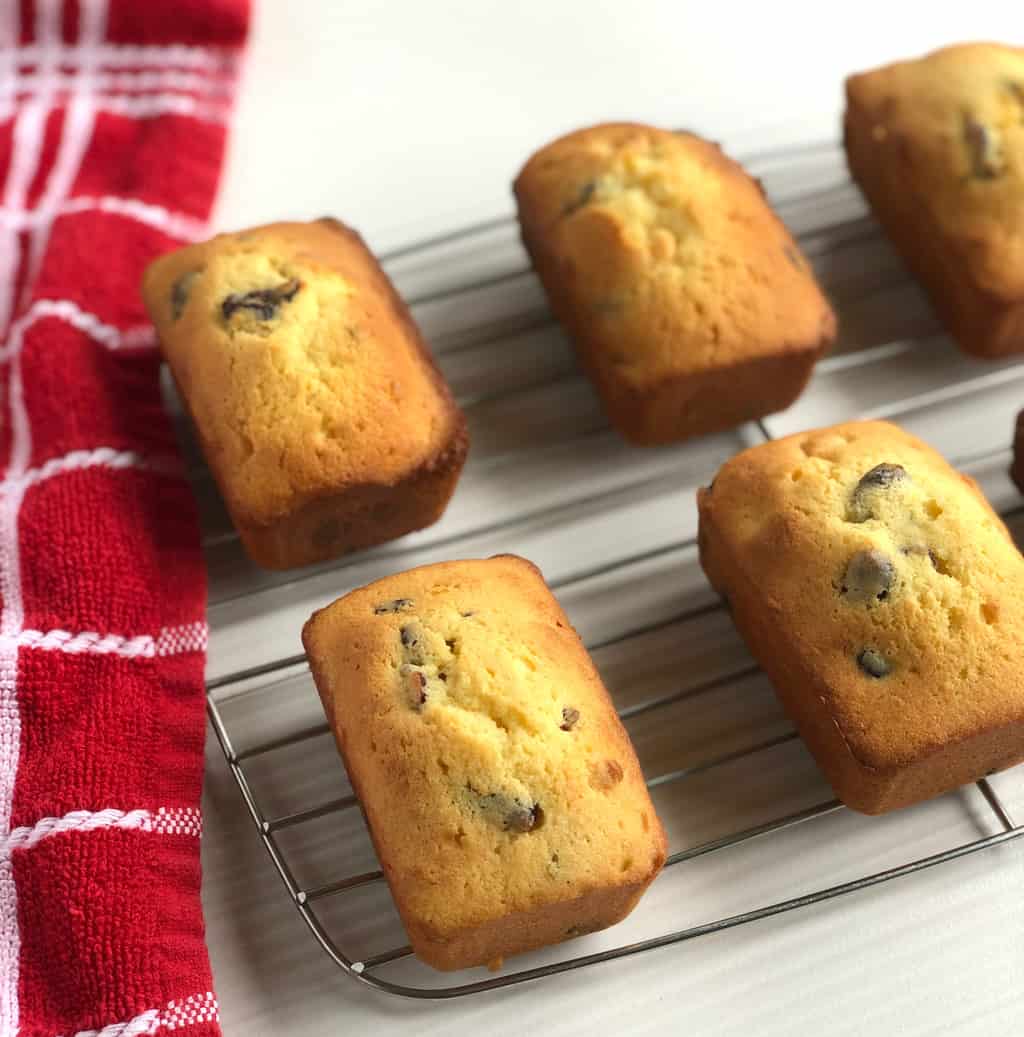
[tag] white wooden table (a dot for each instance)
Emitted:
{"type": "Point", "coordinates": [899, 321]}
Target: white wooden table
{"type": "Point", "coordinates": [409, 120]}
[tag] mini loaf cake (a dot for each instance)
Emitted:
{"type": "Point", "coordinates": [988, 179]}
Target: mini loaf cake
{"type": "Point", "coordinates": [1017, 471]}
{"type": "Point", "coordinates": [689, 303]}
{"type": "Point", "coordinates": [885, 600]}
{"type": "Point", "coordinates": [320, 412]}
{"type": "Point", "coordinates": [502, 794]}
{"type": "Point", "coordinates": [937, 146]}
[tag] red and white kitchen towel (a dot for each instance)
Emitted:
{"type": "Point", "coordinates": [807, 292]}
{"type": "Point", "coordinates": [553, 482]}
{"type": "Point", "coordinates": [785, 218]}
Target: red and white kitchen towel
{"type": "Point", "coordinates": [112, 128]}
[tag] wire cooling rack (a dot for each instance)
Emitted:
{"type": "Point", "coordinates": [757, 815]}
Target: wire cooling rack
{"type": "Point", "coordinates": [614, 530]}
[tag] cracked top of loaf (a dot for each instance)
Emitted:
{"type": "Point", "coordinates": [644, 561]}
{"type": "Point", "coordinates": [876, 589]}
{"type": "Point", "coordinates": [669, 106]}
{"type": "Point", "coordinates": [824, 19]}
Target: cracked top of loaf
{"type": "Point", "coordinates": [946, 134]}
{"type": "Point", "coordinates": [666, 253]}
{"type": "Point", "coordinates": [886, 573]}
{"type": "Point", "coordinates": [300, 365]}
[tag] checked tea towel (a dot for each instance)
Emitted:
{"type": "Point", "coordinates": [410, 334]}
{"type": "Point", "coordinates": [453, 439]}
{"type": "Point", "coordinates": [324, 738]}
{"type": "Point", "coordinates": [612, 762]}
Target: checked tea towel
{"type": "Point", "coordinates": [112, 129]}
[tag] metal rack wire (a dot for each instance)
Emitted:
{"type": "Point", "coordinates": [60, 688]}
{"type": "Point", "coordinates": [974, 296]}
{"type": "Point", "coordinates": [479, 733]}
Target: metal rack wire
{"type": "Point", "coordinates": [372, 969]}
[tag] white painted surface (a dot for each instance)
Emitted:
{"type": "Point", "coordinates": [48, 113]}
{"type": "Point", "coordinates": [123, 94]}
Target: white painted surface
{"type": "Point", "coordinates": [409, 119]}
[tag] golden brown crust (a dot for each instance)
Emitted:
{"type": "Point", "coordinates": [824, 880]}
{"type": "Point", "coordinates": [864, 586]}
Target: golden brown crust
{"type": "Point", "coordinates": [937, 146]}
{"type": "Point", "coordinates": [323, 418]}
{"type": "Point", "coordinates": [821, 568]}
{"type": "Point", "coordinates": [502, 793]}
{"type": "Point", "coordinates": [674, 278]}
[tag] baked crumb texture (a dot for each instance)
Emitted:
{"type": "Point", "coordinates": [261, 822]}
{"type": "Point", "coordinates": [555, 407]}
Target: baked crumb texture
{"type": "Point", "coordinates": [320, 412]}
{"type": "Point", "coordinates": [884, 599]}
{"type": "Point", "coordinates": [937, 147]}
{"type": "Point", "coordinates": [502, 793]}
{"type": "Point", "coordinates": [689, 303]}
